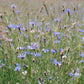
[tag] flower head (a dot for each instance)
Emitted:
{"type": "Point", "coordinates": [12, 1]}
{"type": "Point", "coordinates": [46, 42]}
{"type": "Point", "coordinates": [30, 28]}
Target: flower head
{"type": "Point", "coordinates": [53, 50]}
{"type": "Point", "coordinates": [18, 67]}
{"type": "Point", "coordinates": [37, 54]}
{"type": "Point", "coordinates": [71, 74]}
{"type": "Point", "coordinates": [23, 55]}
{"type": "Point", "coordinates": [68, 10]}
{"type": "Point", "coordinates": [77, 75]}
{"type": "Point", "coordinates": [56, 62]}
{"type": "Point", "coordinates": [13, 6]}
{"type": "Point", "coordinates": [82, 61]}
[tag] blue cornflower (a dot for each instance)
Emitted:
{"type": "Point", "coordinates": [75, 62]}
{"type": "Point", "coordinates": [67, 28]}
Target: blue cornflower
{"type": "Point", "coordinates": [30, 47]}
{"type": "Point", "coordinates": [82, 61]}
{"type": "Point", "coordinates": [47, 30]}
{"type": "Point", "coordinates": [22, 48]}
{"type": "Point", "coordinates": [17, 68]}
{"type": "Point", "coordinates": [61, 49]}
{"type": "Point", "coordinates": [82, 55]}
{"type": "Point", "coordinates": [13, 6]}
{"type": "Point", "coordinates": [68, 10]}
{"type": "Point", "coordinates": [47, 23]}
{"type": "Point", "coordinates": [50, 78]}
{"type": "Point", "coordinates": [31, 53]}
{"type": "Point", "coordinates": [80, 30]}
{"type": "Point", "coordinates": [21, 24]}
{"type": "Point", "coordinates": [78, 25]}
{"type": "Point", "coordinates": [31, 43]}
{"type": "Point", "coordinates": [56, 33]}
{"type": "Point", "coordinates": [68, 36]}
{"type": "Point", "coordinates": [0, 36]}
{"type": "Point", "coordinates": [22, 56]}
{"type": "Point", "coordinates": [2, 64]}
{"type": "Point", "coordinates": [17, 11]}
{"type": "Point", "coordinates": [57, 41]}
{"type": "Point", "coordinates": [82, 38]}
{"type": "Point", "coordinates": [59, 37]}
{"type": "Point", "coordinates": [40, 23]}
{"type": "Point", "coordinates": [54, 51]}
{"type": "Point", "coordinates": [10, 26]}
{"type": "Point", "coordinates": [15, 26]}
{"type": "Point", "coordinates": [71, 74]}
{"type": "Point", "coordinates": [27, 36]}
{"type": "Point", "coordinates": [83, 24]}
{"type": "Point", "coordinates": [45, 50]}
{"type": "Point", "coordinates": [82, 33]}
{"type": "Point", "coordinates": [11, 44]}
{"type": "Point", "coordinates": [32, 23]}
{"type": "Point", "coordinates": [77, 70]}
{"type": "Point", "coordinates": [37, 54]}
{"type": "Point", "coordinates": [48, 27]}
{"type": "Point", "coordinates": [57, 19]}
{"type": "Point", "coordinates": [23, 28]}
{"type": "Point", "coordinates": [17, 64]}
{"type": "Point", "coordinates": [56, 62]}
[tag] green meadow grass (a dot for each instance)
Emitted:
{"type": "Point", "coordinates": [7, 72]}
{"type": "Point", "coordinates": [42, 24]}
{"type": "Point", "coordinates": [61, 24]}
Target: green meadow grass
{"type": "Point", "coordinates": [41, 70]}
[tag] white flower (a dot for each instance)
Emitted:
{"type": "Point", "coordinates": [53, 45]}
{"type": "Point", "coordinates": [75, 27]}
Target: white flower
{"type": "Point", "coordinates": [39, 82]}
{"type": "Point", "coordinates": [64, 56]}
{"type": "Point", "coordinates": [17, 83]}
{"type": "Point", "coordinates": [32, 31]}
{"type": "Point", "coordinates": [24, 73]}
{"type": "Point", "coordinates": [77, 75]}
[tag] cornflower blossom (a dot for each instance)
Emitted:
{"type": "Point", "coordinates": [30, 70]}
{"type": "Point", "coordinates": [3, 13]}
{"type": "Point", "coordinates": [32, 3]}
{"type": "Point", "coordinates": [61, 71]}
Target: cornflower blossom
{"type": "Point", "coordinates": [82, 61]}
{"type": "Point", "coordinates": [57, 19]}
{"type": "Point", "coordinates": [21, 48]}
{"type": "Point", "coordinates": [13, 6]}
{"type": "Point", "coordinates": [2, 64]}
{"type": "Point", "coordinates": [9, 40]}
{"type": "Point", "coordinates": [56, 62]}
{"type": "Point", "coordinates": [61, 49]}
{"type": "Point", "coordinates": [54, 51]}
{"type": "Point", "coordinates": [17, 11]}
{"type": "Point", "coordinates": [68, 10]}
{"type": "Point", "coordinates": [57, 41]}
{"type": "Point", "coordinates": [59, 37]}
{"type": "Point", "coordinates": [18, 67]}
{"type": "Point", "coordinates": [32, 23]}
{"type": "Point", "coordinates": [23, 55]}
{"type": "Point", "coordinates": [45, 50]}
{"type": "Point", "coordinates": [50, 78]}
{"type": "Point", "coordinates": [37, 54]}
{"type": "Point", "coordinates": [57, 33]}
{"type": "Point", "coordinates": [82, 54]}
{"type": "Point", "coordinates": [30, 47]}
{"type": "Point", "coordinates": [77, 74]}
{"type": "Point", "coordinates": [71, 74]}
